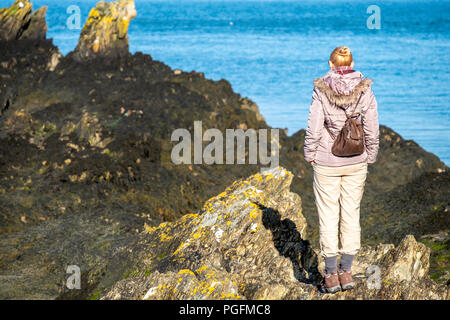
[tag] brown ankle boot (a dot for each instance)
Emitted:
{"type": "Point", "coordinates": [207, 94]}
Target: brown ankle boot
{"type": "Point", "coordinates": [332, 283]}
{"type": "Point", "coordinates": [346, 280]}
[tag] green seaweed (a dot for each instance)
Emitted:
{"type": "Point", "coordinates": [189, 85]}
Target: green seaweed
{"type": "Point", "coordinates": [95, 295]}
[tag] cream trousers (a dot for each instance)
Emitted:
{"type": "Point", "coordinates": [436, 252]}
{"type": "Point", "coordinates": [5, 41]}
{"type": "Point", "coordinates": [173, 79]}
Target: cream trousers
{"type": "Point", "coordinates": [338, 192]}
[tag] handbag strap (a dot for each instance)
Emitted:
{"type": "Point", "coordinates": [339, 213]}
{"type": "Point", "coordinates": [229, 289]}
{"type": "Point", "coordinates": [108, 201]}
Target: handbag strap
{"type": "Point", "coordinates": [354, 109]}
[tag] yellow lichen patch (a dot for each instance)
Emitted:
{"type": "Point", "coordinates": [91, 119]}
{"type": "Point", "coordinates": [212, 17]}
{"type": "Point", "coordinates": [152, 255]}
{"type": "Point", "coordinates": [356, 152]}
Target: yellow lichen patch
{"type": "Point", "coordinates": [164, 237]}
{"type": "Point", "coordinates": [107, 20]}
{"type": "Point", "coordinates": [189, 216]}
{"type": "Point", "coordinates": [209, 274]}
{"type": "Point", "coordinates": [181, 246]}
{"type": "Point", "coordinates": [201, 269]}
{"type": "Point", "coordinates": [254, 205]}
{"type": "Point", "coordinates": [93, 16]}
{"type": "Point", "coordinates": [184, 271]}
{"type": "Point", "coordinates": [205, 287]}
{"type": "Point", "coordinates": [254, 194]}
{"type": "Point", "coordinates": [148, 228]}
{"type": "Point", "coordinates": [222, 195]}
{"type": "Point", "coordinates": [258, 177]}
{"type": "Point", "coordinates": [230, 295]}
{"type": "Point", "coordinates": [123, 27]}
{"type": "Point", "coordinates": [254, 213]}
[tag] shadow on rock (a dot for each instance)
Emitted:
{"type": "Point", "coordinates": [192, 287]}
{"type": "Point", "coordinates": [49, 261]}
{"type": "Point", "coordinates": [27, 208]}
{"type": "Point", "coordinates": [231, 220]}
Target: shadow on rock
{"type": "Point", "coordinates": [290, 244]}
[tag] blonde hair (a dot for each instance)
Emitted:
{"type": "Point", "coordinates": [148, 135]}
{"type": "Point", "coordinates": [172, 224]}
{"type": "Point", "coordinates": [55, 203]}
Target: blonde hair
{"type": "Point", "coordinates": [341, 56]}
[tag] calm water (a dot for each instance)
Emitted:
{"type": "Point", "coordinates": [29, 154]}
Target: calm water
{"type": "Point", "coordinates": [271, 51]}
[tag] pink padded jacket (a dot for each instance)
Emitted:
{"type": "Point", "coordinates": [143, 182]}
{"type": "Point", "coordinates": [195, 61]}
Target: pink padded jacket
{"type": "Point", "coordinates": [330, 92]}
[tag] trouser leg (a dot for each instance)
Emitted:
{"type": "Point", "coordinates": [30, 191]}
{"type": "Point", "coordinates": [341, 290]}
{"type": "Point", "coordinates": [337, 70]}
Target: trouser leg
{"type": "Point", "coordinates": [326, 192]}
{"type": "Point", "coordinates": [351, 192]}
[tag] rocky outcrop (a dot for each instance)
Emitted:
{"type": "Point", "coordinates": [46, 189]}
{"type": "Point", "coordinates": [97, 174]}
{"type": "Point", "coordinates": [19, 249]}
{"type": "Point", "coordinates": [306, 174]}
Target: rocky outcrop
{"type": "Point", "coordinates": [25, 53]}
{"type": "Point", "coordinates": [37, 28]}
{"type": "Point", "coordinates": [18, 22]}
{"type": "Point", "coordinates": [105, 31]}
{"type": "Point", "coordinates": [244, 243]}
{"type": "Point", "coordinates": [14, 19]}
{"type": "Point", "coordinates": [247, 243]}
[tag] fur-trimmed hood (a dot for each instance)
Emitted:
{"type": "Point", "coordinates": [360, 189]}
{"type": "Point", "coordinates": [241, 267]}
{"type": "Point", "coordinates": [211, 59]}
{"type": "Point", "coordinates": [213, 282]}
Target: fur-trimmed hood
{"type": "Point", "coordinates": [342, 100]}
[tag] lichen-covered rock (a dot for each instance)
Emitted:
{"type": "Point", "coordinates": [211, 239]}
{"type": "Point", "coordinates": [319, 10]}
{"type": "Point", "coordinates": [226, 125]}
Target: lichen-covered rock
{"type": "Point", "coordinates": [410, 260]}
{"type": "Point", "coordinates": [37, 29]}
{"type": "Point", "coordinates": [14, 19]}
{"type": "Point", "coordinates": [105, 31]}
{"type": "Point", "coordinates": [182, 285]}
{"type": "Point", "coordinates": [18, 22]}
{"type": "Point", "coordinates": [247, 243]}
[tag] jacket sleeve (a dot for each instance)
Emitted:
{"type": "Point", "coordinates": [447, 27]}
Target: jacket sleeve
{"type": "Point", "coordinates": [315, 126]}
{"type": "Point", "coordinates": [371, 129]}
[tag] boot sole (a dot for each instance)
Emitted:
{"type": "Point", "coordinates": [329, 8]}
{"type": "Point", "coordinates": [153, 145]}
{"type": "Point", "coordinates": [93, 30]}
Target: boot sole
{"type": "Point", "coordinates": [348, 286]}
{"type": "Point", "coordinates": [333, 289]}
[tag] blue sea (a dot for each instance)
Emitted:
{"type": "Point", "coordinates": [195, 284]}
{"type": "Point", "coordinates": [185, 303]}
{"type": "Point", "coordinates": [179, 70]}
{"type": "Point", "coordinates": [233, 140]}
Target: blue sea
{"type": "Point", "coordinates": [271, 51]}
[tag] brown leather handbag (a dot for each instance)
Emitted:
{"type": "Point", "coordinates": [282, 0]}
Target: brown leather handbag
{"type": "Point", "coordinates": [350, 140]}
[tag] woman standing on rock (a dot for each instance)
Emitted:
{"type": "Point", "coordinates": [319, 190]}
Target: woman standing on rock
{"type": "Point", "coordinates": [339, 180]}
